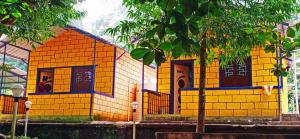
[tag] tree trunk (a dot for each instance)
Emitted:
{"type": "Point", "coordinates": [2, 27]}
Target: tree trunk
{"type": "Point", "coordinates": [201, 104]}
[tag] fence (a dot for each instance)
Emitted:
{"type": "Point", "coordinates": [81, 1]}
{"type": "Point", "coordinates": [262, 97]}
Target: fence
{"type": "Point", "coordinates": [156, 102]}
{"type": "Point", "coordinates": [8, 104]}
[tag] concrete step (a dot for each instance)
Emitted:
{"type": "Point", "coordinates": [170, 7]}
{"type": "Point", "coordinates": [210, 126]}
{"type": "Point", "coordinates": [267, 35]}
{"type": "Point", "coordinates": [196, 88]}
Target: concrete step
{"type": "Point", "coordinates": [284, 123]}
{"type": "Point", "coordinates": [290, 117]}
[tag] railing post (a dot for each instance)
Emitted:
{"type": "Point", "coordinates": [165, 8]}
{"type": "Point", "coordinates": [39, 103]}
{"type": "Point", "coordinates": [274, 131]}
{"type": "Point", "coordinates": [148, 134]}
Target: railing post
{"type": "Point", "coordinates": [15, 111]}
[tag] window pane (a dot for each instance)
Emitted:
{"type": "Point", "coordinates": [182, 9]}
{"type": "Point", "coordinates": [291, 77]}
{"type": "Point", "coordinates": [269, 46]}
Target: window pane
{"type": "Point", "coordinates": [45, 80]}
{"type": "Point", "coordinates": [82, 79]}
{"type": "Point", "coordinates": [236, 74]}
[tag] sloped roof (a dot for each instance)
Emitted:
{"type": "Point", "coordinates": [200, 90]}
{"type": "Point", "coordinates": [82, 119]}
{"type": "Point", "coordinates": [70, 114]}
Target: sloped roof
{"type": "Point", "coordinates": [20, 48]}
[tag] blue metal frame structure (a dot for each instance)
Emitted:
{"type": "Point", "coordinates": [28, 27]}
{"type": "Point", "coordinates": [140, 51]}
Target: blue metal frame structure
{"type": "Point", "coordinates": [7, 44]}
{"type": "Point", "coordinates": [3, 63]}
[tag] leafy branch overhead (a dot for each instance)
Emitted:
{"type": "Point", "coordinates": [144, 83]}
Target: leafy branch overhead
{"type": "Point", "coordinates": [32, 20]}
{"type": "Point", "coordinates": [233, 28]}
{"type": "Point", "coordinates": [207, 29]}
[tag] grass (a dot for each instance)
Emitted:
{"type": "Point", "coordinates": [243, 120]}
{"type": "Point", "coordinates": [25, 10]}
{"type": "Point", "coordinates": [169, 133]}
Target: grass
{"type": "Point", "coordinates": [7, 117]}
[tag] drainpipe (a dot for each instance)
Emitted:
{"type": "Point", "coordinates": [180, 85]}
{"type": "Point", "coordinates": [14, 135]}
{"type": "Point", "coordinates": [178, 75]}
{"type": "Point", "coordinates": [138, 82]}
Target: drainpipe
{"type": "Point", "coordinates": [142, 91]}
{"type": "Point", "coordinates": [27, 74]}
{"type": "Point", "coordinates": [280, 79]}
{"type": "Point", "coordinates": [295, 83]}
{"type": "Point", "coordinates": [278, 90]}
{"type": "Point", "coordinates": [93, 82]}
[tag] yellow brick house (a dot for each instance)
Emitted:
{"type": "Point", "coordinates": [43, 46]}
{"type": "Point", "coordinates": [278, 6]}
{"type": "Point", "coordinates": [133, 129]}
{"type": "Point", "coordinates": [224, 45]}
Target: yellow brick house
{"type": "Point", "coordinates": [234, 91]}
{"type": "Point", "coordinates": [79, 74]}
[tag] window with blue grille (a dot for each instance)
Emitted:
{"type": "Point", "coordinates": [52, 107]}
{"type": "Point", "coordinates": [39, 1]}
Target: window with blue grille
{"type": "Point", "coordinates": [81, 79]}
{"type": "Point", "coordinates": [236, 74]}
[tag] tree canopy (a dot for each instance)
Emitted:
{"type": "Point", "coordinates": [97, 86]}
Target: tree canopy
{"type": "Point", "coordinates": [32, 20]}
{"type": "Point", "coordinates": [224, 29]}
{"type": "Point", "coordinates": [176, 26]}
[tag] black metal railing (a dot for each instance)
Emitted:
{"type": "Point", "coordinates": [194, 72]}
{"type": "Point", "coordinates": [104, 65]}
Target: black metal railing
{"type": "Point", "coordinates": [158, 103]}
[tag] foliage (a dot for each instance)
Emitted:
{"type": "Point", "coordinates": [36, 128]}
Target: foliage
{"type": "Point", "coordinates": [32, 20]}
{"type": "Point", "coordinates": [164, 27]}
{"type": "Point", "coordinates": [209, 29]}
{"type": "Point", "coordinates": [20, 137]}
{"type": "Point", "coordinates": [23, 137]}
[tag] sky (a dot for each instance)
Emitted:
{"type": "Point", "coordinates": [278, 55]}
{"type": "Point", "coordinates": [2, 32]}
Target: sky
{"type": "Point", "coordinates": [100, 15]}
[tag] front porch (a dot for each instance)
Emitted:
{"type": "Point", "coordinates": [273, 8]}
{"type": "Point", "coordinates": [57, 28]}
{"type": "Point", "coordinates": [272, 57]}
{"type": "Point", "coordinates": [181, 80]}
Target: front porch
{"type": "Point", "coordinates": [222, 104]}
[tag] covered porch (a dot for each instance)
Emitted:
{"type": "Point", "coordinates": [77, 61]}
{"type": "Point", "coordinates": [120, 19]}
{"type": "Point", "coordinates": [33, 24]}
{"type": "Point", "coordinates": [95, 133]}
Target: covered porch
{"type": "Point", "coordinates": [14, 62]}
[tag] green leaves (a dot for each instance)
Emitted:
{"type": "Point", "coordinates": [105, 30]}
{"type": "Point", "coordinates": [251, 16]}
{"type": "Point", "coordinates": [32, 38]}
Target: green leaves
{"type": "Point", "coordinates": [166, 4]}
{"type": "Point", "coordinates": [279, 70]}
{"type": "Point", "coordinates": [189, 7]}
{"type": "Point", "coordinates": [139, 53]}
{"type": "Point", "coordinates": [270, 49]}
{"type": "Point", "coordinates": [180, 18]}
{"type": "Point", "coordinates": [193, 26]}
{"type": "Point", "coordinates": [148, 58]}
{"type": "Point", "coordinates": [166, 46]}
{"type": "Point", "coordinates": [291, 32]}
{"type": "Point", "coordinates": [6, 17]}
{"type": "Point", "coordinates": [297, 26]}
{"type": "Point", "coordinates": [176, 27]}
{"type": "Point", "coordinates": [203, 9]}
{"type": "Point", "coordinates": [145, 53]}
{"type": "Point", "coordinates": [16, 14]}
{"type": "Point", "coordinates": [248, 30]}
{"type": "Point", "coordinates": [159, 57]}
{"type": "Point", "coordinates": [178, 48]}
{"type": "Point", "coordinates": [12, 1]}
{"type": "Point", "coordinates": [33, 20]}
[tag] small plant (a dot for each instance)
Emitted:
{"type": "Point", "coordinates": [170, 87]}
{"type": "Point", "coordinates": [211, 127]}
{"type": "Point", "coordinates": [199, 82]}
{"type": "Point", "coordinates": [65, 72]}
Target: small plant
{"type": "Point", "coordinates": [3, 136]}
{"type": "Point", "coordinates": [23, 137]}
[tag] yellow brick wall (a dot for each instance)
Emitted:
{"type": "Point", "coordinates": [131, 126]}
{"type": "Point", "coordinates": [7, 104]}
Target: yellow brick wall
{"type": "Point", "coordinates": [108, 108]}
{"type": "Point", "coordinates": [72, 49]}
{"type": "Point", "coordinates": [127, 73]}
{"type": "Point", "coordinates": [229, 103]}
{"type": "Point", "coordinates": [262, 63]}
{"type": "Point", "coordinates": [60, 104]}
{"type": "Point", "coordinates": [62, 80]}
{"type": "Point", "coordinates": [69, 49]}
{"type": "Point", "coordinates": [261, 71]}
{"type": "Point", "coordinates": [104, 68]}
{"type": "Point", "coordinates": [164, 77]}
